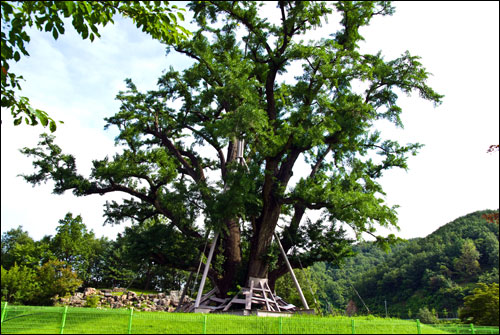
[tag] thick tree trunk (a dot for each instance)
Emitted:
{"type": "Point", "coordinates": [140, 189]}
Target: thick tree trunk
{"type": "Point", "coordinates": [265, 225]}
{"type": "Point", "coordinates": [232, 257]}
{"type": "Point", "coordinates": [231, 240]}
{"type": "Point", "coordinates": [258, 265]}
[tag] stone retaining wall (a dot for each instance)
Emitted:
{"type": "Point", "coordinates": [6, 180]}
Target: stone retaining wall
{"type": "Point", "coordinates": [143, 302]}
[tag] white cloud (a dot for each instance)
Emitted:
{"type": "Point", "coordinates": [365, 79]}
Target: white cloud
{"type": "Point", "coordinates": [74, 81]}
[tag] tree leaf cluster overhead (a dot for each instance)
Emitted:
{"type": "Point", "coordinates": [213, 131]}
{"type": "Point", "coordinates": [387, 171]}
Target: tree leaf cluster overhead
{"type": "Point", "coordinates": [156, 18]}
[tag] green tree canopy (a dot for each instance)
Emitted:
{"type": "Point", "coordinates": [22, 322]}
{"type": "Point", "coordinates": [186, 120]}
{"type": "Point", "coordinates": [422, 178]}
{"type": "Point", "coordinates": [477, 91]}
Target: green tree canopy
{"type": "Point", "coordinates": [467, 263]}
{"type": "Point", "coordinates": [157, 18]}
{"type": "Point", "coordinates": [77, 247]}
{"type": "Point", "coordinates": [181, 163]}
{"type": "Point", "coordinates": [285, 288]}
{"type": "Point", "coordinates": [55, 278]}
{"type": "Point", "coordinates": [481, 307]}
{"type": "Point", "coordinates": [37, 285]}
{"type": "Point", "coordinates": [18, 284]}
{"type": "Point", "coordinates": [19, 248]}
{"type": "Point", "coordinates": [139, 248]}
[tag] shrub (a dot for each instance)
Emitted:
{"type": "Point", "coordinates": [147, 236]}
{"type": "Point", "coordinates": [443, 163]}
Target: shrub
{"type": "Point", "coordinates": [18, 284]}
{"type": "Point", "coordinates": [481, 307]}
{"type": "Point", "coordinates": [55, 278]}
{"type": "Point", "coordinates": [92, 301]}
{"type": "Point", "coordinates": [426, 316]}
{"type": "Point", "coordinates": [36, 286]}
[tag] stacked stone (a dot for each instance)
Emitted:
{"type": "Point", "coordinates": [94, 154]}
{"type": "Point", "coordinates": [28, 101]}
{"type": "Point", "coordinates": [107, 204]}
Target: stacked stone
{"type": "Point", "coordinates": [143, 302]}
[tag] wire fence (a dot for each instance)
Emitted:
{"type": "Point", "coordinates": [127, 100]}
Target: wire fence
{"type": "Point", "coordinates": [74, 320]}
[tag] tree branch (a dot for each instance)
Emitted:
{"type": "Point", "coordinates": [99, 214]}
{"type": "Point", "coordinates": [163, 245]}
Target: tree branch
{"type": "Point", "coordinates": [174, 151]}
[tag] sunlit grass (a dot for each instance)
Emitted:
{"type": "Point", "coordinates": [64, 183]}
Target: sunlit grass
{"type": "Point", "coordinates": [47, 320]}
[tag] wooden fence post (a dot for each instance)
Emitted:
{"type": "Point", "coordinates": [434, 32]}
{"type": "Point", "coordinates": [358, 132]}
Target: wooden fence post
{"type": "Point", "coordinates": [353, 327]}
{"type": "Point", "coordinates": [472, 330]}
{"type": "Point", "coordinates": [419, 329]}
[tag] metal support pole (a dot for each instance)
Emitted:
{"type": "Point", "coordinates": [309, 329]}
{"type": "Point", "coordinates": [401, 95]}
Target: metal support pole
{"type": "Point", "coordinates": [4, 311]}
{"type": "Point", "coordinates": [63, 322]}
{"type": "Point", "coordinates": [204, 324]}
{"type": "Point", "coordinates": [205, 271]}
{"type": "Point", "coordinates": [304, 302]}
{"type": "Point", "coordinates": [130, 320]}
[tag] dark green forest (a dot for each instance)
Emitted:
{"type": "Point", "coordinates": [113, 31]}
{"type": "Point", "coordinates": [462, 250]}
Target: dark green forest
{"type": "Point", "coordinates": [434, 273]}
{"type": "Point", "coordinates": [88, 261]}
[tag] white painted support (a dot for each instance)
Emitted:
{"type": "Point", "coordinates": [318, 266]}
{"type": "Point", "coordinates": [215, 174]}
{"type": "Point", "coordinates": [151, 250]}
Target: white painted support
{"type": "Point", "coordinates": [240, 144]}
{"type": "Point", "coordinates": [265, 297]}
{"type": "Point", "coordinates": [248, 303]}
{"type": "Point", "coordinates": [273, 297]}
{"type": "Point", "coordinates": [304, 302]}
{"type": "Point", "coordinates": [205, 271]}
{"type": "Point", "coordinates": [240, 148]}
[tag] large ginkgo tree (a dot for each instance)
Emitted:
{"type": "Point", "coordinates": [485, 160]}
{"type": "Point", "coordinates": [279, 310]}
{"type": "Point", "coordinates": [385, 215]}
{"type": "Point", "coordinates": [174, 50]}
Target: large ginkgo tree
{"type": "Point", "coordinates": [310, 141]}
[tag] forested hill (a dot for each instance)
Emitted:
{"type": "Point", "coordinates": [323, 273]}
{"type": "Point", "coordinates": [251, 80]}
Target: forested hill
{"type": "Point", "coordinates": [434, 272]}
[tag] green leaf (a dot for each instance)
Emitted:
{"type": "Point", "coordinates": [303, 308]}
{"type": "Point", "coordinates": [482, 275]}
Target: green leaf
{"type": "Point", "coordinates": [48, 26]}
{"type": "Point", "coordinates": [185, 31]}
{"type": "Point", "coordinates": [173, 17]}
{"type": "Point", "coordinates": [87, 6]}
{"type": "Point", "coordinates": [18, 121]}
{"type": "Point", "coordinates": [52, 126]}
{"type": "Point", "coordinates": [85, 31]}
{"type": "Point", "coordinates": [42, 116]}
{"type": "Point", "coordinates": [60, 28]}
{"type": "Point", "coordinates": [70, 6]}
{"type": "Point", "coordinates": [55, 34]}
{"type": "Point", "coordinates": [93, 27]}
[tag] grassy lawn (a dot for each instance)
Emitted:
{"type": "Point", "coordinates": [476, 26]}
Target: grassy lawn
{"type": "Point", "coordinates": [47, 320]}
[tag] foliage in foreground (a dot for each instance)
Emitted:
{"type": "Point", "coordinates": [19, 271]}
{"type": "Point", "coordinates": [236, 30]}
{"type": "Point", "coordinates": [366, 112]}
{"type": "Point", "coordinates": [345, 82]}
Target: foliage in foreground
{"type": "Point", "coordinates": [155, 17]}
{"type": "Point", "coordinates": [21, 284]}
{"type": "Point", "coordinates": [94, 262]}
{"type": "Point", "coordinates": [482, 307]}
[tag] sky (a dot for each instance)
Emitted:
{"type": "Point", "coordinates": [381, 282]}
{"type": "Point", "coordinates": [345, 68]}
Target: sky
{"type": "Point", "coordinates": [76, 81]}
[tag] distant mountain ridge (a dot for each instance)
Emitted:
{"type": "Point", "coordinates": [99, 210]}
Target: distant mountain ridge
{"type": "Point", "coordinates": [435, 271]}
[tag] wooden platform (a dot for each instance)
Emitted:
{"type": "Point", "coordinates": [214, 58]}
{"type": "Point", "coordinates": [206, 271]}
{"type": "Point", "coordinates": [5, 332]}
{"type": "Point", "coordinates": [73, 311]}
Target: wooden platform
{"type": "Point", "coordinates": [257, 298]}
